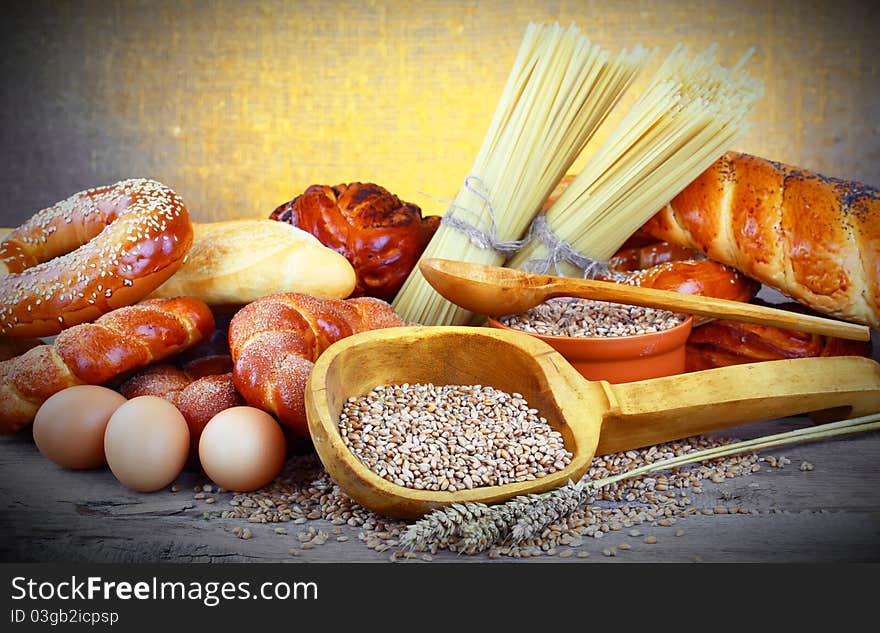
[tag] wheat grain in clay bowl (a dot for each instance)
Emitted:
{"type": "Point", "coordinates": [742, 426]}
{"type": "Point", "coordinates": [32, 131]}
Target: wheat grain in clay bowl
{"type": "Point", "coordinates": [607, 341]}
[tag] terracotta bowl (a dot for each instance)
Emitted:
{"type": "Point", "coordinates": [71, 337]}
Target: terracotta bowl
{"type": "Point", "coordinates": [620, 359]}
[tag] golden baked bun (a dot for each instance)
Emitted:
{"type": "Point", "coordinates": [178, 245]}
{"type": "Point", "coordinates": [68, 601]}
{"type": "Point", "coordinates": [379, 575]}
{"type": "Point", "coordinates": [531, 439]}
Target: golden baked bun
{"type": "Point", "coordinates": [721, 343]}
{"type": "Point", "coordinates": [238, 261]}
{"type": "Point", "coordinates": [815, 239]}
{"type": "Point", "coordinates": [380, 234]}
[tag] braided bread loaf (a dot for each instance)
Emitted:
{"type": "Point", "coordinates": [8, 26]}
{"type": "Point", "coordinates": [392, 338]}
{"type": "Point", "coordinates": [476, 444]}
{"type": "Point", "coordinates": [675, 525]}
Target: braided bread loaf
{"type": "Point", "coordinates": [813, 238]}
{"type": "Point", "coordinates": [275, 340]}
{"type": "Point", "coordinates": [92, 353]}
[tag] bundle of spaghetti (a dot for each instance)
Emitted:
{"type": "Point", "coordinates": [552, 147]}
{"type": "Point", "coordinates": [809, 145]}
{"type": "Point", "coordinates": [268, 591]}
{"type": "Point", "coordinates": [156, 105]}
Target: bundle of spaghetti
{"type": "Point", "coordinates": [559, 91]}
{"type": "Point", "coordinates": [691, 112]}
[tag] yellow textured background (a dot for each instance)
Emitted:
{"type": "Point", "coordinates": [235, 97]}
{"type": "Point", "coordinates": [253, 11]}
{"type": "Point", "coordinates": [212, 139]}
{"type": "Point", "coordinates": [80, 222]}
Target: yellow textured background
{"type": "Point", "coordinates": [241, 105]}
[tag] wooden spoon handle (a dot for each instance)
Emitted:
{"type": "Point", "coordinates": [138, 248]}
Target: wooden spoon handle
{"type": "Point", "coordinates": [708, 307]}
{"type": "Point", "coordinates": [662, 409]}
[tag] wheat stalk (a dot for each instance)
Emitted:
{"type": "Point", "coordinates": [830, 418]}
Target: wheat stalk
{"type": "Point", "coordinates": [478, 526]}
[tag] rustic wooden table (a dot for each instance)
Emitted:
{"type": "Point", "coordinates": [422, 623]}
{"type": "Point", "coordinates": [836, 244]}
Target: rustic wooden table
{"type": "Point", "coordinates": [828, 514]}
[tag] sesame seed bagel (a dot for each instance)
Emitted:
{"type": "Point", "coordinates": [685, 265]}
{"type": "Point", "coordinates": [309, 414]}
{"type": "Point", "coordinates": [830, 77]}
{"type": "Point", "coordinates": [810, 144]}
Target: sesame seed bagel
{"type": "Point", "coordinates": [96, 251]}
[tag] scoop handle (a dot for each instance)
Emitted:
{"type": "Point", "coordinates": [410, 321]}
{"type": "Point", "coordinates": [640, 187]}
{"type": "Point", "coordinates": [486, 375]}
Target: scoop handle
{"type": "Point", "coordinates": [710, 307]}
{"type": "Point", "coordinates": [663, 409]}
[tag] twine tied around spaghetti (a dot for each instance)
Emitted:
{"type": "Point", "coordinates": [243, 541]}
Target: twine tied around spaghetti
{"type": "Point", "coordinates": [482, 238]}
{"type": "Point", "coordinates": [560, 251]}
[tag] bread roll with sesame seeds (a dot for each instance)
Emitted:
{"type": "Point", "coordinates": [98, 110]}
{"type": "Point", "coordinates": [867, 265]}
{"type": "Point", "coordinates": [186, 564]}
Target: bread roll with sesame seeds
{"type": "Point", "coordinates": [813, 238]}
{"type": "Point", "coordinates": [93, 252]}
{"type": "Point", "coordinates": [234, 262]}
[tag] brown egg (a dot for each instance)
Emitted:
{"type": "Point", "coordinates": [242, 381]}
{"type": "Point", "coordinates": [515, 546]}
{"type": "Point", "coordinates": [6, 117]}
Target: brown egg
{"type": "Point", "coordinates": [146, 443]}
{"type": "Point", "coordinates": [242, 448]}
{"type": "Point", "coordinates": [69, 426]}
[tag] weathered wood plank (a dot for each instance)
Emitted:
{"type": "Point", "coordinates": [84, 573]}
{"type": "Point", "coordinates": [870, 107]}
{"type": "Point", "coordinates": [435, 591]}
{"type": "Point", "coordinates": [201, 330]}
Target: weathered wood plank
{"type": "Point", "coordinates": [829, 514]}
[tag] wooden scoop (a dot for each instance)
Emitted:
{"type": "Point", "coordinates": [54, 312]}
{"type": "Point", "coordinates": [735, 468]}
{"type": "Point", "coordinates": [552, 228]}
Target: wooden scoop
{"type": "Point", "coordinates": [594, 417]}
{"type": "Point", "coordinates": [496, 291]}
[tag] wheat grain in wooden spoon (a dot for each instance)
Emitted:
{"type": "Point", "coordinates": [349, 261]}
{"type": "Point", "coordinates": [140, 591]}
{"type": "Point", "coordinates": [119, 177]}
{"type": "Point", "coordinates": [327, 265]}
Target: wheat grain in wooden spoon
{"type": "Point", "coordinates": [594, 417]}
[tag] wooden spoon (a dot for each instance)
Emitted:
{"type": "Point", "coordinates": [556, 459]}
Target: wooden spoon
{"type": "Point", "coordinates": [496, 291]}
{"type": "Point", "coordinates": [594, 417]}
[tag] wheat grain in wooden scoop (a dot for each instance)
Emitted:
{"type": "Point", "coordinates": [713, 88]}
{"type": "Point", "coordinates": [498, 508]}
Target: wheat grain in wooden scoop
{"type": "Point", "coordinates": [594, 417]}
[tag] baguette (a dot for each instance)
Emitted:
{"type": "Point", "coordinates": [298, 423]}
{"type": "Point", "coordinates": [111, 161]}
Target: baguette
{"type": "Point", "coordinates": [238, 261]}
{"type": "Point", "coordinates": [275, 341]}
{"type": "Point", "coordinates": [122, 340]}
{"type": "Point", "coordinates": [813, 238]}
